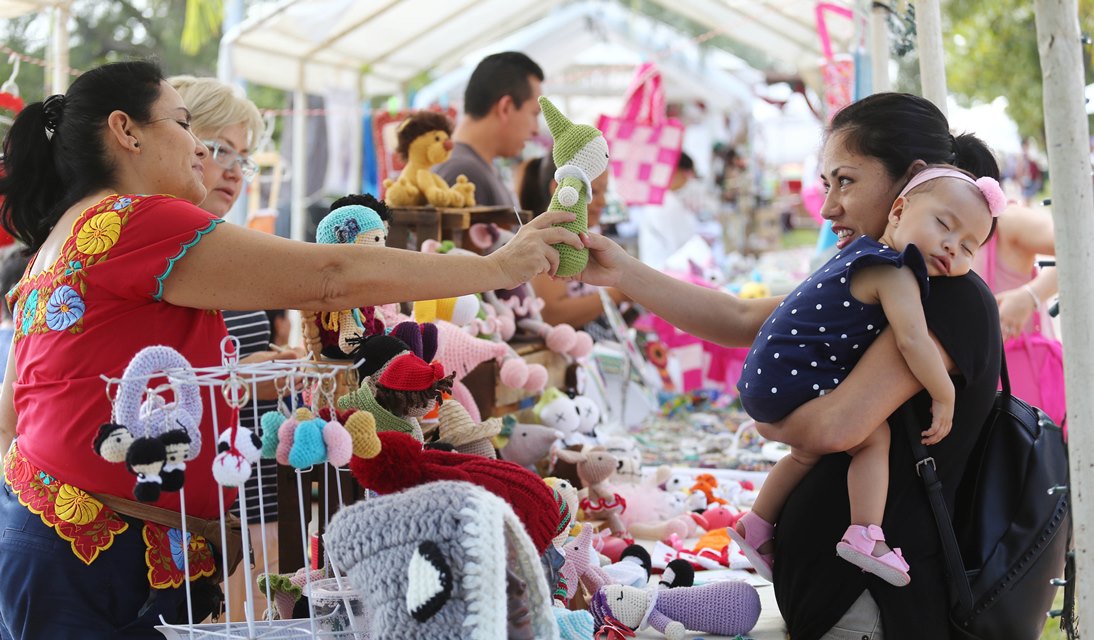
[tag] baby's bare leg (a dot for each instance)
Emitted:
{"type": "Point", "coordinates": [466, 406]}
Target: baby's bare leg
{"type": "Point", "coordinates": [781, 480]}
{"type": "Point", "coordinates": [868, 480]}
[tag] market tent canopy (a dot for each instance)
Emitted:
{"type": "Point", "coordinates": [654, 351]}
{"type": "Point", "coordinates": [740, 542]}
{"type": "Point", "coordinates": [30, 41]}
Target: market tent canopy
{"type": "Point", "coordinates": [592, 49]}
{"type": "Point", "coordinates": [380, 46]}
{"type": "Point", "coordinates": [14, 8]}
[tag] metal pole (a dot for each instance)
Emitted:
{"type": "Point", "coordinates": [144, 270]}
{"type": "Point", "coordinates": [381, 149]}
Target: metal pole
{"type": "Point", "coordinates": [357, 132]}
{"type": "Point", "coordinates": [932, 66]}
{"type": "Point", "coordinates": [59, 65]}
{"type": "Point", "coordinates": [299, 157]}
{"type": "Point", "coordinates": [1068, 141]}
{"type": "Point", "coordinates": [879, 48]}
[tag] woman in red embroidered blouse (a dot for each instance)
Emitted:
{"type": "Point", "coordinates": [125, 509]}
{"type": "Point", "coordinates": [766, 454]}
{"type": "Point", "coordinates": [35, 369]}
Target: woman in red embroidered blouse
{"type": "Point", "coordinates": [115, 271]}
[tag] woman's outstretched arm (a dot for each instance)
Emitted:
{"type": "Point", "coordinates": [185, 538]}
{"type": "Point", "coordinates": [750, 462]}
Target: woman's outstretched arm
{"type": "Point", "coordinates": [705, 313]}
{"type": "Point", "coordinates": [235, 268]}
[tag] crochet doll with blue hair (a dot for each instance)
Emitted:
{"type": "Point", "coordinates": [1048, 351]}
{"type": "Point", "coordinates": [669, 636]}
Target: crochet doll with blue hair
{"type": "Point", "coordinates": [354, 219]}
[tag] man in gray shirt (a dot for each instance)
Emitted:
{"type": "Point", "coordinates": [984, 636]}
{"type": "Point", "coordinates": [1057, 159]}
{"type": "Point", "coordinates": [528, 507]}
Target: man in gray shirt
{"type": "Point", "coordinates": [501, 112]}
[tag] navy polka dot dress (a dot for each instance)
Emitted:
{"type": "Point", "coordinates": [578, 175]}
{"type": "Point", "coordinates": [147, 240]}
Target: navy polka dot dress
{"type": "Point", "coordinates": [818, 333]}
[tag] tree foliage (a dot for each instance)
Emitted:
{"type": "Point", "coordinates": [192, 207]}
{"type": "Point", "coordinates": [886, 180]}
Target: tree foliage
{"type": "Point", "coordinates": [101, 32]}
{"type": "Point", "coordinates": [991, 50]}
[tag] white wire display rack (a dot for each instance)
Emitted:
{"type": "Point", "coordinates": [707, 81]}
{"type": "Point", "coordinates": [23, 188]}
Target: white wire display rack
{"type": "Point", "coordinates": [302, 383]}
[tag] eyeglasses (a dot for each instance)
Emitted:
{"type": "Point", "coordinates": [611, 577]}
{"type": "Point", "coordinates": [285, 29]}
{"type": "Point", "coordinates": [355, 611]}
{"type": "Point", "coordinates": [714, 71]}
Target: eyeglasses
{"type": "Point", "coordinates": [226, 157]}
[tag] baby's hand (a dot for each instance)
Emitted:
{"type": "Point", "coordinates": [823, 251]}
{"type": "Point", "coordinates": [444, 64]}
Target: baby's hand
{"type": "Point", "coordinates": [941, 422]}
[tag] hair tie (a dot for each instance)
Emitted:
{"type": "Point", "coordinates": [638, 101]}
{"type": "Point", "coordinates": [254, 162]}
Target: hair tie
{"type": "Point", "coordinates": [52, 111]}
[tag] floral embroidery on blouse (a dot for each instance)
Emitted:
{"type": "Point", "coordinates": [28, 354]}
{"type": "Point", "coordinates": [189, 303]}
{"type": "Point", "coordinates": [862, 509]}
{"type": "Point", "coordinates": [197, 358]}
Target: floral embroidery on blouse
{"type": "Point", "coordinates": [54, 299]}
{"type": "Point", "coordinates": [64, 308]}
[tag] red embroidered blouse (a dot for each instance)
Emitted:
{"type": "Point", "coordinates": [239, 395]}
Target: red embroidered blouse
{"type": "Point", "coordinates": [87, 315]}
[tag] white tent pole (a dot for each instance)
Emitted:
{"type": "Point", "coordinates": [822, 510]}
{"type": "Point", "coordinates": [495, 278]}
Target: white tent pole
{"type": "Point", "coordinates": [357, 131]}
{"type": "Point", "coordinates": [59, 64]}
{"type": "Point", "coordinates": [299, 155]}
{"type": "Point", "coordinates": [1068, 143]}
{"type": "Point", "coordinates": [932, 66]}
{"type": "Point", "coordinates": [879, 48]}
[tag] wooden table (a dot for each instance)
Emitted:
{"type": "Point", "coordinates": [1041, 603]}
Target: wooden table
{"type": "Point", "coordinates": [444, 224]}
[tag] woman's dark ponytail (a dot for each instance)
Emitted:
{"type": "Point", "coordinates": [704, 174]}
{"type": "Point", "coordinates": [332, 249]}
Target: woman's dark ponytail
{"type": "Point", "coordinates": [974, 156]}
{"type": "Point", "coordinates": [30, 184]}
{"type": "Point", "coordinates": [55, 154]}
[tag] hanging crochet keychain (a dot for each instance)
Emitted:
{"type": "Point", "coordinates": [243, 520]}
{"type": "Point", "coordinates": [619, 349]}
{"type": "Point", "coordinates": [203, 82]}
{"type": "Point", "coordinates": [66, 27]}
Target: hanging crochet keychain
{"type": "Point", "coordinates": [271, 421]}
{"type": "Point", "coordinates": [238, 448]}
{"type": "Point", "coordinates": [337, 439]}
{"type": "Point", "coordinates": [306, 448]}
{"type": "Point", "coordinates": [153, 437]}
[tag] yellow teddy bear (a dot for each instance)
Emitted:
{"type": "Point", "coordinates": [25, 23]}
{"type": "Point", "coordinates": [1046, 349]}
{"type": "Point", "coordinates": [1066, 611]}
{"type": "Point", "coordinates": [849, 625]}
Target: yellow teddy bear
{"type": "Point", "coordinates": [424, 142]}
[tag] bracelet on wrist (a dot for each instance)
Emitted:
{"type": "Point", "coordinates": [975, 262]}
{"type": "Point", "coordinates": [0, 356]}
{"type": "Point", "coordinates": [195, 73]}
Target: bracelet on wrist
{"type": "Point", "coordinates": [1033, 294]}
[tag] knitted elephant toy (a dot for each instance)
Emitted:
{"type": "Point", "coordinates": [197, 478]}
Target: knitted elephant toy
{"type": "Point", "coordinates": [581, 154]}
{"type": "Point", "coordinates": [723, 608]}
{"type": "Point", "coordinates": [424, 142]}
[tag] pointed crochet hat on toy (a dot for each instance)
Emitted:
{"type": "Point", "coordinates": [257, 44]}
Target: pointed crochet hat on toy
{"type": "Point", "coordinates": [569, 137]}
{"type": "Point", "coordinates": [408, 372]}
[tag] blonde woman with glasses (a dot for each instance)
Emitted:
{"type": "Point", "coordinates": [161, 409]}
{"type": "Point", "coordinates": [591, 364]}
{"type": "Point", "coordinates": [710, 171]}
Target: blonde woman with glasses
{"type": "Point", "coordinates": [230, 125]}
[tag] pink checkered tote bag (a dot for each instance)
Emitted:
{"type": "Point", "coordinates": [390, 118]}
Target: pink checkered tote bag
{"type": "Point", "coordinates": [644, 144]}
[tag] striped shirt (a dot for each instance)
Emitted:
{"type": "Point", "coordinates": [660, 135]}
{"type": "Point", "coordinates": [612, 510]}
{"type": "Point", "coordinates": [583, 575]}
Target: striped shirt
{"type": "Point", "coordinates": [252, 329]}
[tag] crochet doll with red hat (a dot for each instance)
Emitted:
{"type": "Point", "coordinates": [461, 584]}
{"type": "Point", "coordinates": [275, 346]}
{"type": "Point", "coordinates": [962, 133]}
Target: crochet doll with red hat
{"type": "Point", "coordinates": [404, 389]}
{"type": "Point", "coordinates": [402, 463]}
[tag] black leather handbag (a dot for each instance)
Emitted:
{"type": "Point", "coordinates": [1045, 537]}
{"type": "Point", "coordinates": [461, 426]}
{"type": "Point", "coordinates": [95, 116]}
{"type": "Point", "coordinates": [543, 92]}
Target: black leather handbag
{"type": "Point", "coordinates": [1009, 537]}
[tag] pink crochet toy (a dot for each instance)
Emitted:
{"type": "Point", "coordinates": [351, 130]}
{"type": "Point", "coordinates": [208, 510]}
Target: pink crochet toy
{"type": "Point", "coordinates": [460, 353]}
{"type": "Point", "coordinates": [526, 306]}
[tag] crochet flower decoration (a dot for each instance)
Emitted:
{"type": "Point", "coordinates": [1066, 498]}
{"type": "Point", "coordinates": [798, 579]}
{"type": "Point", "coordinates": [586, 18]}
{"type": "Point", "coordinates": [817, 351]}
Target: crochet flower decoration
{"type": "Point", "coordinates": [99, 233]}
{"type": "Point", "coordinates": [64, 308]}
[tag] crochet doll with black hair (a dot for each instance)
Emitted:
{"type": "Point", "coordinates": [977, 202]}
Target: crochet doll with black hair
{"type": "Point", "coordinates": [353, 219]}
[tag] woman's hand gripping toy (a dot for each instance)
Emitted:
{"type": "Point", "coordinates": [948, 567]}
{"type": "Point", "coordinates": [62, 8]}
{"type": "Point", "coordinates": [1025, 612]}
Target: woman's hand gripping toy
{"type": "Point", "coordinates": [581, 154]}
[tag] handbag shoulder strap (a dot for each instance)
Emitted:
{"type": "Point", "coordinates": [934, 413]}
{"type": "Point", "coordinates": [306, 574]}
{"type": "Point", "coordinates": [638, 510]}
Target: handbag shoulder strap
{"type": "Point", "coordinates": [925, 468]}
{"type": "Point", "coordinates": [960, 591]}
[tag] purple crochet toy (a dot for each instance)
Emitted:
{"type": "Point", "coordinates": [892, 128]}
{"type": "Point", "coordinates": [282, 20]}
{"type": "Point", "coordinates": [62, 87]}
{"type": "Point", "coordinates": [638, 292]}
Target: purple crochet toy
{"type": "Point", "coordinates": [724, 608]}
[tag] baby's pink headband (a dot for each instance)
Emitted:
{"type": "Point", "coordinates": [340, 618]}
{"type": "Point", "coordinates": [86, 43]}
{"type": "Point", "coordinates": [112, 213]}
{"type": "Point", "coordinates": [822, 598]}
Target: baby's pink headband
{"type": "Point", "coordinates": [997, 200]}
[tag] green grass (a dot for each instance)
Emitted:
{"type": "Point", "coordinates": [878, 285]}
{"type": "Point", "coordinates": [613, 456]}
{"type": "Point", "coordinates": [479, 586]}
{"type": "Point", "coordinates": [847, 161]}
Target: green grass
{"type": "Point", "coordinates": [1052, 629]}
{"type": "Point", "coordinates": [799, 238]}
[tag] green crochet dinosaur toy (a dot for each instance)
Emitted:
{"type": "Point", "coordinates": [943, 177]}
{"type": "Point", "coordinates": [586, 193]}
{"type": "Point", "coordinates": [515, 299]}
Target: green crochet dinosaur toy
{"type": "Point", "coordinates": [581, 154]}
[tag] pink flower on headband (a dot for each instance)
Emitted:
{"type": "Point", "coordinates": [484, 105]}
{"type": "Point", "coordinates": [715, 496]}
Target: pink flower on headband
{"type": "Point", "coordinates": [997, 200]}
